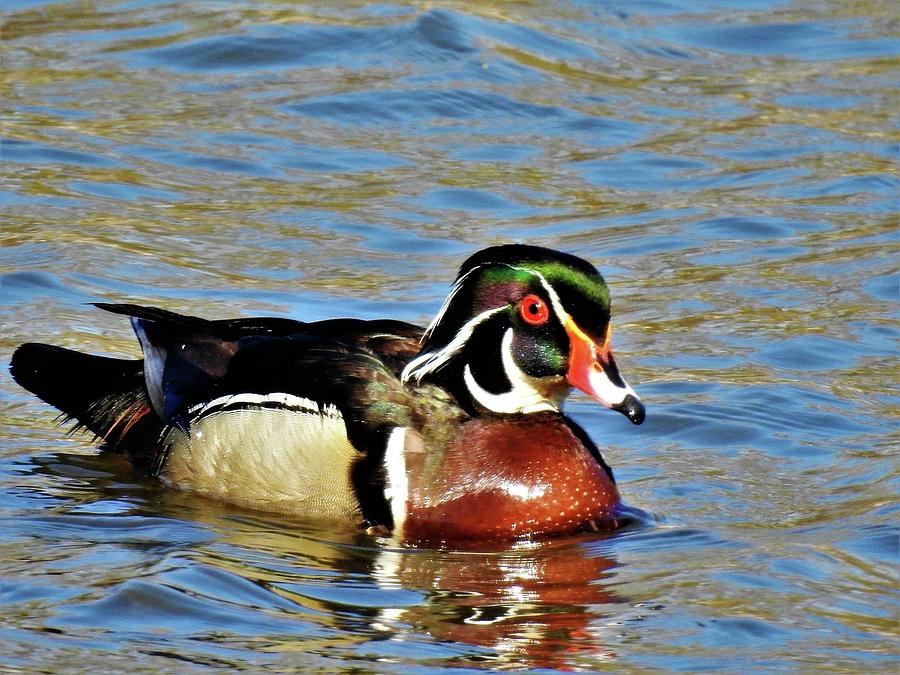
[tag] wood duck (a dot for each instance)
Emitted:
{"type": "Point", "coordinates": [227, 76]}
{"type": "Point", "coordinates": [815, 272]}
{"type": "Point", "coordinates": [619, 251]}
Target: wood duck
{"type": "Point", "coordinates": [451, 433]}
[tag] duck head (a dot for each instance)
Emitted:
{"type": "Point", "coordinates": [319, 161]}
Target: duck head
{"type": "Point", "coordinates": [520, 327]}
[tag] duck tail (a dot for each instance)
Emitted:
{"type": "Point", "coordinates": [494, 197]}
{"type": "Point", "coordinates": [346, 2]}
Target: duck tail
{"type": "Point", "coordinates": [105, 396]}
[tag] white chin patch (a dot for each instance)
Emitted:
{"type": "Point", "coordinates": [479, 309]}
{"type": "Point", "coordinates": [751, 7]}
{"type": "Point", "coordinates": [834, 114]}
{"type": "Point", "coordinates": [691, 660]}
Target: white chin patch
{"type": "Point", "coordinates": [523, 396]}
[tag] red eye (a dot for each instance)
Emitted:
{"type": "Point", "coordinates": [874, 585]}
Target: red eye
{"type": "Point", "coordinates": [533, 310]}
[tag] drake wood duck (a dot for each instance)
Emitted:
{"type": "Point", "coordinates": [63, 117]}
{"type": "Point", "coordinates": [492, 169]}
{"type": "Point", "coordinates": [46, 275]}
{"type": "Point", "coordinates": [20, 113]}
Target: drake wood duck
{"type": "Point", "coordinates": [444, 434]}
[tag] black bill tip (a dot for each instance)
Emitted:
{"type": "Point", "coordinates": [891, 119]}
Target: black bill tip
{"type": "Point", "coordinates": [632, 408]}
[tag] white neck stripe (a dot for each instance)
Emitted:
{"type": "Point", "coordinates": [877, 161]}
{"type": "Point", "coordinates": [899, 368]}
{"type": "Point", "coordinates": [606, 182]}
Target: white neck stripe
{"type": "Point", "coordinates": [523, 396]}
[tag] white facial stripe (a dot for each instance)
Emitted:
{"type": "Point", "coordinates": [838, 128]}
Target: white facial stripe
{"type": "Point", "coordinates": [551, 293]}
{"type": "Point", "coordinates": [458, 284]}
{"type": "Point", "coordinates": [608, 393]}
{"type": "Point", "coordinates": [523, 397]}
{"type": "Point", "coordinates": [431, 361]}
{"type": "Point", "coordinates": [396, 489]}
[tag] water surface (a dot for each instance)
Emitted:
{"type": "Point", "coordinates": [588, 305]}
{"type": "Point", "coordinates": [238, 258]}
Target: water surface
{"type": "Point", "coordinates": [729, 166]}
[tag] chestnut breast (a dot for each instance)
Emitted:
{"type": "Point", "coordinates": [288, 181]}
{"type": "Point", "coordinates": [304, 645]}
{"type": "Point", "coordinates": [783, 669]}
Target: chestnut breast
{"type": "Point", "coordinates": [507, 477]}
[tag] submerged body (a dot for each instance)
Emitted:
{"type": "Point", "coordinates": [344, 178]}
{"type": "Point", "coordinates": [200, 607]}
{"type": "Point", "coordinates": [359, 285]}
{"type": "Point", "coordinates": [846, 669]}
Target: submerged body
{"type": "Point", "coordinates": [438, 435]}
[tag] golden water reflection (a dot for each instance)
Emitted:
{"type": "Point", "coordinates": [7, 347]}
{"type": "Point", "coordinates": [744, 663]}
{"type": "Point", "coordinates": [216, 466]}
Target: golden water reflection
{"type": "Point", "coordinates": [535, 604]}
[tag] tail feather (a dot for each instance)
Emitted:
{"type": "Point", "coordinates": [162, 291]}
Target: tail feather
{"type": "Point", "coordinates": [105, 396]}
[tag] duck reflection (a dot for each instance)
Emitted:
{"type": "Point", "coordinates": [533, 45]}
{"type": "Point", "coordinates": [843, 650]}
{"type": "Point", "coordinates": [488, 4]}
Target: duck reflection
{"type": "Point", "coordinates": [533, 605]}
{"type": "Point", "coordinates": [536, 605]}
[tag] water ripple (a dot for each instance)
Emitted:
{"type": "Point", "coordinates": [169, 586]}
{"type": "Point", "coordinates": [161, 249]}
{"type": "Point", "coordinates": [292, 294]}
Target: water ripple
{"type": "Point", "coordinates": [730, 168]}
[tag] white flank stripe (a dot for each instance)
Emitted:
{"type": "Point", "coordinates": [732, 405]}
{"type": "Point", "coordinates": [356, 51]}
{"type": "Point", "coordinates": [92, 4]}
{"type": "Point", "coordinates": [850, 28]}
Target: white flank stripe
{"type": "Point", "coordinates": [286, 400]}
{"type": "Point", "coordinates": [274, 451]}
{"type": "Point", "coordinates": [396, 490]}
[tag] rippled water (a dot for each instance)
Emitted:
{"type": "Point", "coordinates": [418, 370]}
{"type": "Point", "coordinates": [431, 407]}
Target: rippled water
{"type": "Point", "coordinates": [730, 166]}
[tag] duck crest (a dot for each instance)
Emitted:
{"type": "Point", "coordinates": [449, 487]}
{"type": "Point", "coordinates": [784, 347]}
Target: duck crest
{"type": "Point", "coordinates": [444, 434]}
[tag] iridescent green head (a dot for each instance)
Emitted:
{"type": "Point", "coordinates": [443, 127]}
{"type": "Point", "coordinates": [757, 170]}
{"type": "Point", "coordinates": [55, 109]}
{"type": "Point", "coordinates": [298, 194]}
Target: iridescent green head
{"type": "Point", "coordinates": [523, 324]}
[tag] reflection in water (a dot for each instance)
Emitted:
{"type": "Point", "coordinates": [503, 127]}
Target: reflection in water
{"type": "Point", "coordinates": [533, 604]}
{"type": "Point", "coordinates": [530, 604]}
{"type": "Point", "coordinates": [538, 604]}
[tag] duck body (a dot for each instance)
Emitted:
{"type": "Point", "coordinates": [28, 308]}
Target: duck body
{"type": "Point", "coordinates": [443, 434]}
{"type": "Point", "coordinates": [504, 477]}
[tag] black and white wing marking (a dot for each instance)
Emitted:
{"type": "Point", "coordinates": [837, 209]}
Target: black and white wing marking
{"type": "Point", "coordinates": [277, 452]}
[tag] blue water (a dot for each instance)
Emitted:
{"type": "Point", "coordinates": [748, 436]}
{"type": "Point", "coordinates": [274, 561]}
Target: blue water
{"type": "Point", "coordinates": [729, 166]}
